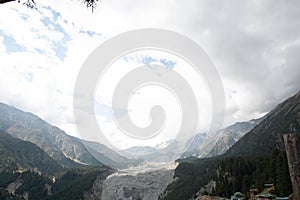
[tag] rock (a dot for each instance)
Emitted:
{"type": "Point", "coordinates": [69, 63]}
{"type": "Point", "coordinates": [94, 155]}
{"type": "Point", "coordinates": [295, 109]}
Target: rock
{"type": "Point", "coordinates": [137, 185]}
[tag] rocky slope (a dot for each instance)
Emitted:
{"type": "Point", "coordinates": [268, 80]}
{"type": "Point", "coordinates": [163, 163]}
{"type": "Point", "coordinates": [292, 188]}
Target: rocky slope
{"type": "Point", "coordinates": [66, 150]}
{"type": "Point", "coordinates": [203, 146]}
{"type": "Point", "coordinates": [109, 157]}
{"type": "Point", "coordinates": [227, 137]}
{"type": "Point", "coordinates": [145, 182]}
{"type": "Point", "coordinates": [194, 144]}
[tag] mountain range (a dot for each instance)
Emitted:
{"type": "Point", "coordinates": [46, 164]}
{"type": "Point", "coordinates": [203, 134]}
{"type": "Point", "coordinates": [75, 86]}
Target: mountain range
{"type": "Point", "coordinates": [258, 157]}
{"type": "Point", "coordinates": [67, 150]}
{"type": "Point", "coordinates": [38, 159]}
{"type": "Point", "coordinates": [220, 142]}
{"type": "Point", "coordinates": [200, 145]}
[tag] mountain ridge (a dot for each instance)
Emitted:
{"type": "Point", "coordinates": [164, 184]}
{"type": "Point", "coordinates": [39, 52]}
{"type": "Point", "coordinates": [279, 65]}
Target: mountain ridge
{"type": "Point", "coordinates": [284, 118]}
{"type": "Point", "coordinates": [19, 155]}
{"type": "Point", "coordinates": [68, 150]}
{"type": "Point", "coordinates": [260, 145]}
{"type": "Point", "coordinates": [218, 144]}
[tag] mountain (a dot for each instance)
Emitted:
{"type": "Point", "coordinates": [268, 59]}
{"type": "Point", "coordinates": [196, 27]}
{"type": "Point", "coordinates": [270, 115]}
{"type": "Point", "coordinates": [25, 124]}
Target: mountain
{"type": "Point", "coordinates": [141, 153]}
{"type": "Point", "coordinates": [140, 150]}
{"type": "Point", "coordinates": [193, 144]}
{"type": "Point", "coordinates": [202, 146]}
{"type": "Point", "coordinates": [66, 150]}
{"type": "Point", "coordinates": [27, 172]}
{"type": "Point", "coordinates": [268, 134]}
{"type": "Point", "coordinates": [227, 137]}
{"type": "Point", "coordinates": [257, 158]}
{"type": "Point", "coordinates": [166, 152]}
{"type": "Point", "coordinates": [39, 161]}
{"type": "Point", "coordinates": [20, 155]}
{"type": "Point", "coordinates": [109, 157]}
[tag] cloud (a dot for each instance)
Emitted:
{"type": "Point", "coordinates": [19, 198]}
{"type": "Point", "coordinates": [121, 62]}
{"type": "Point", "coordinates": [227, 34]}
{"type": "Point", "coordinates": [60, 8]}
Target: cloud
{"type": "Point", "coordinates": [149, 57]}
{"type": "Point", "coordinates": [40, 61]}
{"type": "Point", "coordinates": [250, 44]}
{"type": "Point", "coordinates": [253, 44]}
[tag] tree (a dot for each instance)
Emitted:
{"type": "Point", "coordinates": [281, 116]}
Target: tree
{"type": "Point", "coordinates": [283, 185]}
{"type": "Point", "coordinates": [32, 3]}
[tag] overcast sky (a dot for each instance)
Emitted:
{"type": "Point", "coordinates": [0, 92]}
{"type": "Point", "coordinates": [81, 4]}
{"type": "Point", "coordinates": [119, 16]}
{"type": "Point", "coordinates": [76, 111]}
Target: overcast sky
{"type": "Point", "coordinates": [254, 45]}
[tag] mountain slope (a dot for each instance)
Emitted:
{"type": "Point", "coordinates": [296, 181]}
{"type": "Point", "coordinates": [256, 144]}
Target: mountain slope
{"type": "Point", "coordinates": [193, 145]}
{"type": "Point", "coordinates": [203, 147]}
{"type": "Point", "coordinates": [244, 158]}
{"type": "Point", "coordinates": [76, 184]}
{"type": "Point", "coordinates": [27, 172]}
{"type": "Point", "coordinates": [67, 150]}
{"type": "Point", "coordinates": [268, 134]}
{"type": "Point", "coordinates": [107, 156]}
{"type": "Point", "coordinates": [229, 136]}
{"type": "Point", "coordinates": [169, 153]}
{"type": "Point", "coordinates": [17, 154]}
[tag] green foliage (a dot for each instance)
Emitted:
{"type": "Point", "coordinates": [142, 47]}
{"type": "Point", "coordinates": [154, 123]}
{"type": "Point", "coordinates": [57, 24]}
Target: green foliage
{"type": "Point", "coordinates": [16, 153]}
{"type": "Point", "coordinates": [75, 182]}
{"type": "Point", "coordinates": [70, 185]}
{"type": "Point", "coordinates": [37, 167]}
{"type": "Point", "coordinates": [282, 178]}
{"type": "Point", "coordinates": [231, 174]}
{"type": "Point", "coordinates": [190, 177]}
{"type": "Point", "coordinates": [242, 173]}
{"type": "Point", "coordinates": [4, 195]}
{"type": "Point", "coordinates": [249, 162]}
{"type": "Point", "coordinates": [33, 184]}
{"type": "Point", "coordinates": [6, 178]}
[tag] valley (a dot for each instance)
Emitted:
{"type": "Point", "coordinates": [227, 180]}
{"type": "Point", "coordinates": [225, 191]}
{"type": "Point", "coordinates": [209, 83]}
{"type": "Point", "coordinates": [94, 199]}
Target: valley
{"type": "Point", "coordinates": [39, 161]}
{"type": "Point", "coordinates": [149, 100]}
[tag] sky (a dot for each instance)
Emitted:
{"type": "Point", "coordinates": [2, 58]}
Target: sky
{"type": "Point", "coordinates": [254, 45]}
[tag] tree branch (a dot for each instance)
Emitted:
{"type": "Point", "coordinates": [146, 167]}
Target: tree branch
{"type": "Point", "coordinates": [5, 1]}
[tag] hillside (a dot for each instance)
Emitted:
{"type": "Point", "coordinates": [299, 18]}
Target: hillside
{"type": "Point", "coordinates": [203, 146]}
{"type": "Point", "coordinates": [27, 172]}
{"type": "Point", "coordinates": [109, 157]}
{"type": "Point", "coordinates": [66, 150]}
{"type": "Point", "coordinates": [229, 136]}
{"type": "Point", "coordinates": [253, 150]}
{"type": "Point", "coordinates": [268, 134]}
{"type": "Point", "coordinates": [75, 184]}
{"type": "Point", "coordinates": [17, 154]}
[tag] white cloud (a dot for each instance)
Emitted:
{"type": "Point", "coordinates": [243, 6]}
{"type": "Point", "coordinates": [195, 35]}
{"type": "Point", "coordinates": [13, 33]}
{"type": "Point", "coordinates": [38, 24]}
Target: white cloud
{"type": "Point", "coordinates": [254, 46]}
{"type": "Point", "coordinates": [36, 79]}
